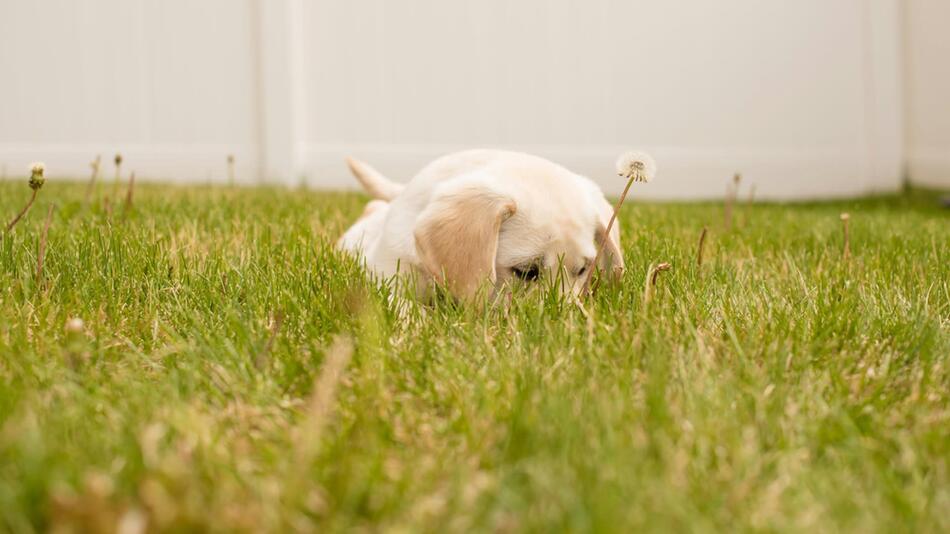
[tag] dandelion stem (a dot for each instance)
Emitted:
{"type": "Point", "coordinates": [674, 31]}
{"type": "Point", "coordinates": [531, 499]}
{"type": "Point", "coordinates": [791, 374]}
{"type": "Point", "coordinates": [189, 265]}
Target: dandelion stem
{"type": "Point", "coordinates": [659, 269]}
{"type": "Point", "coordinates": [847, 235]}
{"type": "Point", "coordinates": [93, 177]}
{"type": "Point", "coordinates": [128, 195]}
{"type": "Point", "coordinates": [610, 224]}
{"type": "Point", "coordinates": [41, 252]}
{"type": "Point", "coordinates": [118, 175]}
{"type": "Point", "coordinates": [276, 321]}
{"type": "Point", "coordinates": [25, 209]}
{"type": "Point", "coordinates": [727, 212]}
{"type": "Point", "coordinates": [702, 243]}
{"type": "Point", "coordinates": [651, 280]}
{"type": "Point", "coordinates": [731, 193]}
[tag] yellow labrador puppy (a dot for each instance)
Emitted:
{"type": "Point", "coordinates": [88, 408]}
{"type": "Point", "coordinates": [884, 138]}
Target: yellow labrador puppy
{"type": "Point", "coordinates": [482, 217]}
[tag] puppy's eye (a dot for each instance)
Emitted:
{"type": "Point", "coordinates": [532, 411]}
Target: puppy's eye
{"type": "Point", "coordinates": [528, 273]}
{"type": "Point", "coordinates": [583, 270]}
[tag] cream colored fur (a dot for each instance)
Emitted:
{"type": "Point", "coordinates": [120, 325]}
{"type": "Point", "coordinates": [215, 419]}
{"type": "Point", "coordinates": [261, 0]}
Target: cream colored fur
{"type": "Point", "coordinates": [481, 218]}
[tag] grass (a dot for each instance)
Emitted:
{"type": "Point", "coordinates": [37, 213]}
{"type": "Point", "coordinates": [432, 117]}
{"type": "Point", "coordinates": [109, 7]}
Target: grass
{"type": "Point", "coordinates": [235, 373]}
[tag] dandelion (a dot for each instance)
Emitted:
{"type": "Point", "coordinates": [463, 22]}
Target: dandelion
{"type": "Point", "coordinates": [76, 345]}
{"type": "Point", "coordinates": [635, 167]}
{"type": "Point", "coordinates": [638, 166]}
{"type": "Point", "coordinates": [231, 169]}
{"type": "Point", "coordinates": [652, 274]}
{"type": "Point", "coordinates": [37, 178]}
{"type": "Point", "coordinates": [731, 194]}
{"type": "Point", "coordinates": [95, 165]}
{"type": "Point", "coordinates": [845, 217]}
{"type": "Point", "coordinates": [75, 325]}
{"type": "Point", "coordinates": [36, 183]}
{"type": "Point", "coordinates": [132, 521]}
{"type": "Point", "coordinates": [118, 175]}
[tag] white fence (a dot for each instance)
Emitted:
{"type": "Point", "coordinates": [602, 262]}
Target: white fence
{"type": "Point", "coordinates": [927, 75]}
{"type": "Point", "coordinates": [805, 98]}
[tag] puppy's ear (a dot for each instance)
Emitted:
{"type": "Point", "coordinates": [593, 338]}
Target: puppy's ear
{"type": "Point", "coordinates": [457, 237]}
{"type": "Point", "coordinates": [612, 259]}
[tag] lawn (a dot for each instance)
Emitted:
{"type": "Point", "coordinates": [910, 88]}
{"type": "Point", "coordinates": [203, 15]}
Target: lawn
{"type": "Point", "coordinates": [233, 372]}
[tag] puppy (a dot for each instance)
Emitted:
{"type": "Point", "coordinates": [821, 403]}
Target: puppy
{"type": "Point", "coordinates": [483, 218]}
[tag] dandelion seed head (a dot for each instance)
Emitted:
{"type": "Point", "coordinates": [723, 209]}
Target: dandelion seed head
{"type": "Point", "coordinates": [845, 216]}
{"type": "Point", "coordinates": [75, 325]}
{"type": "Point", "coordinates": [637, 165]}
{"type": "Point", "coordinates": [36, 175]}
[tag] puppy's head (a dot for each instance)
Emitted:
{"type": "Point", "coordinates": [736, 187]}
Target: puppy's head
{"type": "Point", "coordinates": [482, 229]}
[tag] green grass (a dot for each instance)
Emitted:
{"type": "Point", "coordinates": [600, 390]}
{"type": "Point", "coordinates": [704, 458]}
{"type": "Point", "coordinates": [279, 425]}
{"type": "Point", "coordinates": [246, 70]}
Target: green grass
{"type": "Point", "coordinates": [777, 388]}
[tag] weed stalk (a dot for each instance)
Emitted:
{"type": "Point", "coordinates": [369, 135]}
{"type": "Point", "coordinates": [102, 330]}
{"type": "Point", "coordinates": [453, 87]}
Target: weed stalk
{"type": "Point", "coordinates": [36, 183]}
{"type": "Point", "coordinates": [731, 193]}
{"type": "Point", "coordinates": [41, 250]}
{"type": "Point", "coordinates": [128, 195]}
{"type": "Point", "coordinates": [94, 176]}
{"type": "Point", "coordinates": [702, 244]}
{"type": "Point", "coordinates": [845, 217]}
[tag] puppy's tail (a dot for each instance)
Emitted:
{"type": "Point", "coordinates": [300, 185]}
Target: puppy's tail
{"type": "Point", "coordinates": [377, 185]}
